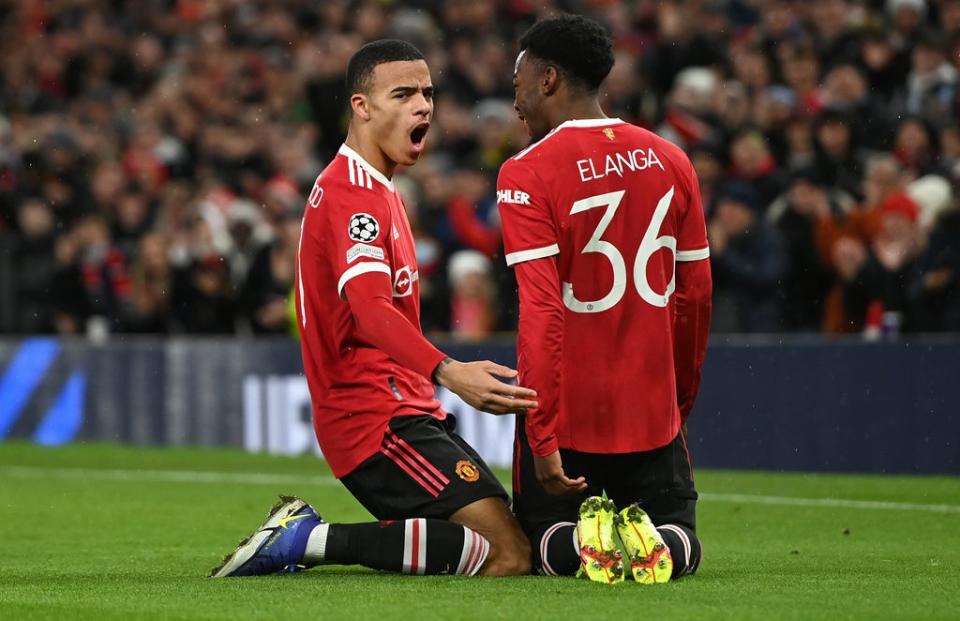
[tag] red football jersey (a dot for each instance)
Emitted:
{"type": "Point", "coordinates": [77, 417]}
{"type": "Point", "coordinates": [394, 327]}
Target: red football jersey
{"type": "Point", "coordinates": [354, 223]}
{"type": "Point", "coordinates": [618, 206]}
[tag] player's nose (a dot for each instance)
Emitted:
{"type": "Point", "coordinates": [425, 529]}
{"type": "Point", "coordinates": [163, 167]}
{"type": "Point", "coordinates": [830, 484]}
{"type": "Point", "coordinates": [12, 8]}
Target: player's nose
{"type": "Point", "coordinates": [422, 105]}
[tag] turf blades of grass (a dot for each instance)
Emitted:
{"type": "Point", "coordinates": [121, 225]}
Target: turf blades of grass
{"type": "Point", "coordinates": [137, 545]}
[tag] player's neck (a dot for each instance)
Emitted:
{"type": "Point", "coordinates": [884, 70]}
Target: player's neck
{"type": "Point", "coordinates": [577, 110]}
{"type": "Point", "coordinates": [369, 151]}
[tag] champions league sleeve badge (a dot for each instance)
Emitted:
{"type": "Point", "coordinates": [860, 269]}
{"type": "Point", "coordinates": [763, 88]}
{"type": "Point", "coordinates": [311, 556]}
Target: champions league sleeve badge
{"type": "Point", "coordinates": [363, 228]}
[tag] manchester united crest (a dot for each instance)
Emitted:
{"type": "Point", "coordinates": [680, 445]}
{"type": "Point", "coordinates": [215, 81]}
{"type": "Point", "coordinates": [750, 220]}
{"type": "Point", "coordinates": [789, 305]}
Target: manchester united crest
{"type": "Point", "coordinates": [467, 471]}
{"type": "Point", "coordinates": [609, 133]}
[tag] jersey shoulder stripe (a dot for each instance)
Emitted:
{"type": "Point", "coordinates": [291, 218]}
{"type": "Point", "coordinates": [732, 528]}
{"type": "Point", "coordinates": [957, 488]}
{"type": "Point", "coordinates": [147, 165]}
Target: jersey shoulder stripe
{"type": "Point", "coordinates": [362, 173]}
{"type": "Point", "coordinates": [358, 175]}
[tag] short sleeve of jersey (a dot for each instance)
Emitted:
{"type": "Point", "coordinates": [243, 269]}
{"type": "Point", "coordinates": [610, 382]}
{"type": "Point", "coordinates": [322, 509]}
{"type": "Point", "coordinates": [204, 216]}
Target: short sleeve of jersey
{"type": "Point", "coordinates": [692, 232]}
{"type": "Point", "coordinates": [358, 235]}
{"type": "Point", "coordinates": [528, 226]}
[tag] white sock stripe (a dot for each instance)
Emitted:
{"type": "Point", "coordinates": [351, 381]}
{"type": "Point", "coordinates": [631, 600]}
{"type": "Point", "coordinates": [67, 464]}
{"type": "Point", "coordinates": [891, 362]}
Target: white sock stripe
{"type": "Point", "coordinates": [473, 554]}
{"type": "Point", "coordinates": [687, 546]}
{"type": "Point", "coordinates": [683, 539]}
{"type": "Point", "coordinates": [465, 552]}
{"type": "Point", "coordinates": [422, 547]}
{"type": "Point", "coordinates": [407, 545]}
{"type": "Point", "coordinates": [476, 549]}
{"type": "Point", "coordinates": [544, 546]}
{"type": "Point", "coordinates": [479, 548]}
{"type": "Point", "coordinates": [482, 558]}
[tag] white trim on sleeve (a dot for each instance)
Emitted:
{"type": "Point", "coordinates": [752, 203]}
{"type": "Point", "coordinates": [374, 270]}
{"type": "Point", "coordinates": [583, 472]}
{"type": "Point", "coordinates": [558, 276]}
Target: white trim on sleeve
{"type": "Point", "coordinates": [529, 255]}
{"type": "Point", "coordinates": [361, 268]}
{"type": "Point", "coordinates": [693, 255]}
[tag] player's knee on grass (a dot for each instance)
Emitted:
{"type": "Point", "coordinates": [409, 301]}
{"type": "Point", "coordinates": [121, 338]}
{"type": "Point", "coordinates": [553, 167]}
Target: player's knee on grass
{"type": "Point", "coordinates": [509, 548]}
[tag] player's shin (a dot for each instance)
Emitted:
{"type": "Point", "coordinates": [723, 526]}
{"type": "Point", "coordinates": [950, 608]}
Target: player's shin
{"type": "Point", "coordinates": [414, 546]}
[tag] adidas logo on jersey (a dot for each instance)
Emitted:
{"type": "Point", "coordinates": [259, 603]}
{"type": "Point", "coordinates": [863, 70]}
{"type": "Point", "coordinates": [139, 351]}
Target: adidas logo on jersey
{"type": "Point", "coordinates": [513, 197]}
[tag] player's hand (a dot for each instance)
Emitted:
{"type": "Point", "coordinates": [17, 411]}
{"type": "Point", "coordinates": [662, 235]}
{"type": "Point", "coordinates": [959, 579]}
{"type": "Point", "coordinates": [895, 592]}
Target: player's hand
{"type": "Point", "coordinates": [475, 383]}
{"type": "Point", "coordinates": [550, 473]}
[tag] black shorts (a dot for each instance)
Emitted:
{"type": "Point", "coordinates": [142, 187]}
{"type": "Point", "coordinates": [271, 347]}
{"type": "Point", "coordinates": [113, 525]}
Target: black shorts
{"type": "Point", "coordinates": [423, 470]}
{"type": "Point", "coordinates": [660, 480]}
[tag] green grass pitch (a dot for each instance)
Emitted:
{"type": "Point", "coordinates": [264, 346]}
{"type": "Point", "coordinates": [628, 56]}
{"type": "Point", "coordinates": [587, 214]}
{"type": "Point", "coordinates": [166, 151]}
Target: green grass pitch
{"type": "Point", "coordinates": [103, 532]}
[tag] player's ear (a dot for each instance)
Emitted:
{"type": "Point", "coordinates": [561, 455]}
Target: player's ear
{"type": "Point", "coordinates": [549, 80]}
{"type": "Point", "coordinates": [360, 105]}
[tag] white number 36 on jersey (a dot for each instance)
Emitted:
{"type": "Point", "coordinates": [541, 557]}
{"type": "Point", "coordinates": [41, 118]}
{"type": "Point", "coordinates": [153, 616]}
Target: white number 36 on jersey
{"type": "Point", "coordinates": [648, 245]}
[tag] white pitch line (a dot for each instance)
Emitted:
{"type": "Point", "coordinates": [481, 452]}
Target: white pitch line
{"type": "Point", "coordinates": [252, 478]}
{"type": "Point", "coordinates": [841, 503]}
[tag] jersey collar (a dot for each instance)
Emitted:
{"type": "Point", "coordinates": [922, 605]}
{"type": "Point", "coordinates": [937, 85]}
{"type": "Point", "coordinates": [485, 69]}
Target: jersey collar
{"type": "Point", "coordinates": [367, 166]}
{"type": "Point", "coordinates": [589, 123]}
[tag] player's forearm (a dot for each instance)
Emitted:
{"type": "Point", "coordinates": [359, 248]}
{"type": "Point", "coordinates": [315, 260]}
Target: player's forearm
{"type": "Point", "coordinates": [540, 348]}
{"type": "Point", "coordinates": [384, 327]}
{"type": "Point", "coordinates": [691, 329]}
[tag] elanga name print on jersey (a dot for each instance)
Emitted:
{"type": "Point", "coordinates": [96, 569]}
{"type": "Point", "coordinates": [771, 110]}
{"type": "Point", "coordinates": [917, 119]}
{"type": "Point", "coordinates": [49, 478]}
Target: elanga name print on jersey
{"type": "Point", "coordinates": [363, 228]}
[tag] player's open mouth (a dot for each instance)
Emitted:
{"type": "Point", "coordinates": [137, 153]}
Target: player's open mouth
{"type": "Point", "coordinates": [418, 136]}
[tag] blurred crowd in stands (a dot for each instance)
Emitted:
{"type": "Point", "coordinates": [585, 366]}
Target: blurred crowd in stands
{"type": "Point", "coordinates": [154, 155]}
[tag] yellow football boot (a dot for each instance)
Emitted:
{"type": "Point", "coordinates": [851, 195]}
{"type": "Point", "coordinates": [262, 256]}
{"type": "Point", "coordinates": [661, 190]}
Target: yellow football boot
{"type": "Point", "coordinates": [600, 559]}
{"type": "Point", "coordinates": [649, 556]}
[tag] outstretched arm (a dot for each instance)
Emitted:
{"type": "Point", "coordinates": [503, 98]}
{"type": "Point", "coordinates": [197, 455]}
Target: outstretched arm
{"type": "Point", "coordinates": [382, 325]}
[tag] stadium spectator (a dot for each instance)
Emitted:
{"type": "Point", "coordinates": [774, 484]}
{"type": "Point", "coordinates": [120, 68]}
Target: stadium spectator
{"type": "Point", "coordinates": [808, 277]}
{"type": "Point", "coordinates": [151, 278]}
{"type": "Point", "coordinates": [749, 262]}
{"type": "Point", "coordinates": [112, 110]}
{"type": "Point", "coordinates": [28, 270]}
{"type": "Point", "coordinates": [752, 162]}
{"type": "Point", "coordinates": [269, 281]}
{"type": "Point", "coordinates": [935, 290]}
{"type": "Point", "coordinates": [931, 88]}
{"type": "Point", "coordinates": [844, 241]}
{"type": "Point", "coordinates": [876, 294]}
{"type": "Point", "coordinates": [472, 296]}
{"type": "Point", "coordinates": [836, 156]}
{"type": "Point", "coordinates": [203, 300]}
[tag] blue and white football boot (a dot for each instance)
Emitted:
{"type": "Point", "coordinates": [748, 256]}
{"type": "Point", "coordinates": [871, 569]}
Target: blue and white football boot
{"type": "Point", "coordinates": [277, 546]}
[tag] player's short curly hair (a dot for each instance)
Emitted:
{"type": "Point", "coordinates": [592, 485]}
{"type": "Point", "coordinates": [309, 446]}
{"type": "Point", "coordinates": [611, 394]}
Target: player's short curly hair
{"type": "Point", "coordinates": [578, 46]}
{"type": "Point", "coordinates": [362, 63]}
